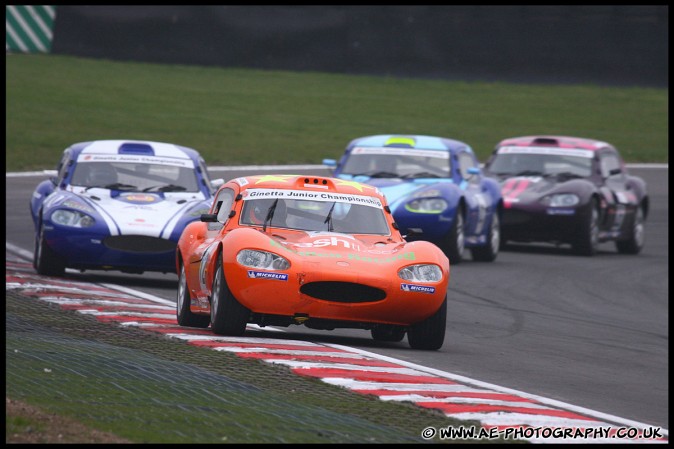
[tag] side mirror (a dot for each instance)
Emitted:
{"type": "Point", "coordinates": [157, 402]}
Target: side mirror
{"type": "Point", "coordinates": [215, 183]}
{"type": "Point", "coordinates": [332, 163]}
{"type": "Point", "coordinates": [209, 218]}
{"type": "Point", "coordinates": [411, 232]}
{"type": "Point", "coordinates": [474, 171]}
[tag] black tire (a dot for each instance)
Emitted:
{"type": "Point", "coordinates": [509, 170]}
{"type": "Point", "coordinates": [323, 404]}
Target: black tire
{"type": "Point", "coordinates": [184, 315]}
{"type": "Point", "coordinates": [388, 332]}
{"type": "Point", "coordinates": [488, 252]}
{"type": "Point", "coordinates": [587, 240]}
{"type": "Point", "coordinates": [228, 316]}
{"type": "Point", "coordinates": [635, 242]}
{"type": "Point", "coordinates": [430, 333]}
{"type": "Point", "coordinates": [454, 243]}
{"type": "Point", "coordinates": [45, 261]}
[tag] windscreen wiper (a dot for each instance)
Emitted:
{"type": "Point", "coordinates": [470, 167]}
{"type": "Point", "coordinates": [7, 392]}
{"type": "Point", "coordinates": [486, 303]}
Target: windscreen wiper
{"type": "Point", "coordinates": [328, 219]}
{"type": "Point", "coordinates": [270, 215]}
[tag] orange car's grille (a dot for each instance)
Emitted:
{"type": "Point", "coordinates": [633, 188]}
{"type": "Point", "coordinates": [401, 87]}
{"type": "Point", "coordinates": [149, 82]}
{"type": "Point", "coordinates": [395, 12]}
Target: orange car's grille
{"type": "Point", "coordinates": [139, 244]}
{"type": "Point", "coordinates": [342, 291]}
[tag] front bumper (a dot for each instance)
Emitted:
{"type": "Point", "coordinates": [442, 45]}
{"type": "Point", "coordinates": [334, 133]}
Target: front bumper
{"type": "Point", "coordinates": [314, 290]}
{"type": "Point", "coordinates": [128, 253]}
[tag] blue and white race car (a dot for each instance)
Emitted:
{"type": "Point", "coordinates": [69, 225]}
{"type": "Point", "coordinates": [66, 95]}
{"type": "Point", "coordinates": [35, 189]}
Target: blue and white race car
{"type": "Point", "coordinates": [435, 189]}
{"type": "Point", "coordinates": [118, 205]}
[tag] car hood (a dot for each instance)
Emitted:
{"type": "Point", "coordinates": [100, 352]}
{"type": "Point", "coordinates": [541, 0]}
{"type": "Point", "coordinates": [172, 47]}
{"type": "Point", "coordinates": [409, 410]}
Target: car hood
{"type": "Point", "coordinates": [526, 189]}
{"type": "Point", "coordinates": [339, 246]}
{"type": "Point", "coordinates": [150, 214]}
{"type": "Point", "coordinates": [396, 190]}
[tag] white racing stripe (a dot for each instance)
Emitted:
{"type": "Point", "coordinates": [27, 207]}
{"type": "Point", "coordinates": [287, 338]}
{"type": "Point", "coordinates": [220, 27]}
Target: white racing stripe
{"type": "Point", "coordinates": [398, 386]}
{"type": "Point", "coordinates": [514, 419]}
{"type": "Point", "coordinates": [224, 338]}
{"type": "Point", "coordinates": [125, 313]}
{"type": "Point", "coordinates": [459, 400]}
{"type": "Point", "coordinates": [264, 350]}
{"type": "Point", "coordinates": [344, 366]}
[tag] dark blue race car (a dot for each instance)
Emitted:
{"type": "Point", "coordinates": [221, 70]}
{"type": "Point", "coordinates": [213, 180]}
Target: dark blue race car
{"type": "Point", "coordinates": [434, 187]}
{"type": "Point", "coordinates": [118, 205]}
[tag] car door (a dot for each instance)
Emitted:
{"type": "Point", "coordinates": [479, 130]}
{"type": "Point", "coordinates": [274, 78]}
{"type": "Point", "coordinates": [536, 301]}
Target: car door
{"type": "Point", "coordinates": [202, 255]}
{"type": "Point", "coordinates": [621, 200]}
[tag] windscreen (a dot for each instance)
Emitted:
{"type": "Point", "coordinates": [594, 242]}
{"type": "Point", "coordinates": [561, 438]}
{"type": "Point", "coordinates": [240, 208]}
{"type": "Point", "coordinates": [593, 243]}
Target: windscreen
{"type": "Point", "coordinates": [531, 161]}
{"type": "Point", "coordinates": [315, 215]}
{"type": "Point", "coordinates": [135, 176]}
{"type": "Point", "coordinates": [397, 163]}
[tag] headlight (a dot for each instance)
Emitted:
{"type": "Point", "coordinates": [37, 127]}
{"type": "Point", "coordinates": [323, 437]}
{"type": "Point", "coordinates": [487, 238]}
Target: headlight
{"type": "Point", "coordinates": [421, 273]}
{"type": "Point", "coordinates": [262, 259]}
{"type": "Point", "coordinates": [562, 200]}
{"type": "Point", "coordinates": [427, 205]}
{"type": "Point", "coordinates": [72, 218]}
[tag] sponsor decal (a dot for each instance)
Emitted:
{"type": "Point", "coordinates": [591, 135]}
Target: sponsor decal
{"type": "Point", "coordinates": [417, 288]}
{"type": "Point", "coordinates": [241, 181]}
{"type": "Point", "coordinates": [363, 200]}
{"type": "Point", "coordinates": [546, 150]}
{"type": "Point", "coordinates": [136, 159]}
{"type": "Point", "coordinates": [356, 185]}
{"type": "Point", "coordinates": [138, 198]}
{"type": "Point", "coordinates": [267, 275]}
{"type": "Point", "coordinates": [336, 242]}
{"type": "Point", "coordinates": [273, 178]}
{"type": "Point", "coordinates": [557, 211]}
{"type": "Point", "coordinates": [401, 151]}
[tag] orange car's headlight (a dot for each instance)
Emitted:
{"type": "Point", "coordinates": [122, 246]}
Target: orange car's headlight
{"type": "Point", "coordinates": [421, 273]}
{"type": "Point", "coordinates": [262, 259]}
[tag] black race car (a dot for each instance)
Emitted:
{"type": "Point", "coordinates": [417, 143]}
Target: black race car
{"type": "Point", "coordinates": [568, 190]}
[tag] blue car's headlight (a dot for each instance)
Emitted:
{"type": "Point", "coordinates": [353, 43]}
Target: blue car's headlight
{"type": "Point", "coordinates": [421, 273]}
{"type": "Point", "coordinates": [72, 218]}
{"type": "Point", "coordinates": [427, 205]}
{"type": "Point", "coordinates": [262, 259]}
{"type": "Point", "coordinates": [561, 200]}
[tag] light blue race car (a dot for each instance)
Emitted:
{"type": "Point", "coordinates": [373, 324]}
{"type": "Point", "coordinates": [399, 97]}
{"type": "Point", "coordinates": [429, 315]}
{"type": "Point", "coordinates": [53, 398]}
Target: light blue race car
{"type": "Point", "coordinates": [435, 189]}
{"type": "Point", "coordinates": [118, 205]}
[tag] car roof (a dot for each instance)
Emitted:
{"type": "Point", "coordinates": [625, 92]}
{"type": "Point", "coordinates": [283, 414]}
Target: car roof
{"type": "Point", "coordinates": [555, 141]}
{"type": "Point", "coordinates": [310, 183]}
{"type": "Point", "coordinates": [415, 141]}
{"type": "Point", "coordinates": [138, 147]}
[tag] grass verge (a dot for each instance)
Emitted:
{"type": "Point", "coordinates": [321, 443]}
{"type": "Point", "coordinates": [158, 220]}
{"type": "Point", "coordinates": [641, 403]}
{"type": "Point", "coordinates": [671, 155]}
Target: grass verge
{"type": "Point", "coordinates": [237, 116]}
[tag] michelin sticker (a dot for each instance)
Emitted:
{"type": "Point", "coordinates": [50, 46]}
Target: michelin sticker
{"type": "Point", "coordinates": [417, 288]}
{"type": "Point", "coordinates": [266, 275]}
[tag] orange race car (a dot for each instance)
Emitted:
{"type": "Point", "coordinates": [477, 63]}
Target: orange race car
{"type": "Point", "coordinates": [323, 252]}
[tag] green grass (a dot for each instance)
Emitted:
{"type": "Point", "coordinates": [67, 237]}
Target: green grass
{"type": "Point", "coordinates": [237, 116]}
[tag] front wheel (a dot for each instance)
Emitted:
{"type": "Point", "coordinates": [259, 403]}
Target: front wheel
{"type": "Point", "coordinates": [488, 252]}
{"type": "Point", "coordinates": [429, 333]}
{"type": "Point", "coordinates": [587, 240]}
{"type": "Point", "coordinates": [45, 260]}
{"type": "Point", "coordinates": [454, 242]}
{"type": "Point", "coordinates": [184, 315]}
{"type": "Point", "coordinates": [228, 316]}
{"type": "Point", "coordinates": [635, 242]}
